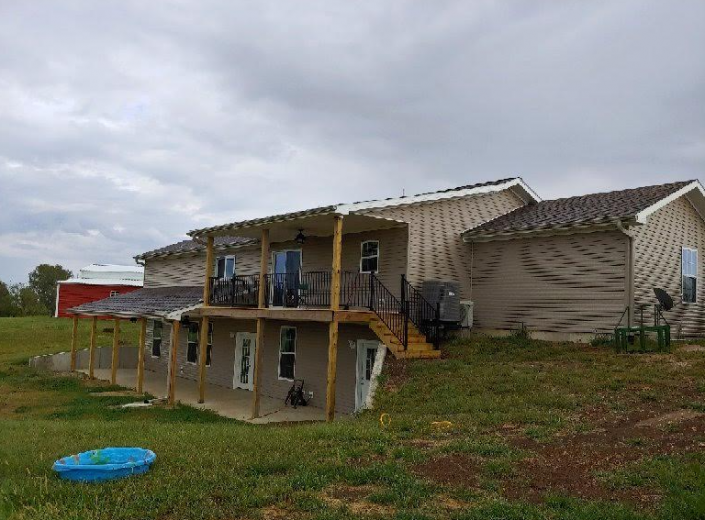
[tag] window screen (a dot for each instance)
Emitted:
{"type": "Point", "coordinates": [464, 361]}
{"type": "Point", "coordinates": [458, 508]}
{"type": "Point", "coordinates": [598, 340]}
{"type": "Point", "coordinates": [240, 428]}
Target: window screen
{"type": "Point", "coordinates": [287, 352]}
{"type": "Point", "coordinates": [689, 272]}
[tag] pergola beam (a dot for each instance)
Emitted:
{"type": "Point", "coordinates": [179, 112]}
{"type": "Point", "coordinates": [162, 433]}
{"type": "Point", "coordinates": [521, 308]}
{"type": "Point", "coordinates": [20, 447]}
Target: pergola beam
{"type": "Point", "coordinates": [259, 342]}
{"type": "Point", "coordinates": [91, 350]}
{"type": "Point", "coordinates": [74, 343]}
{"type": "Point", "coordinates": [115, 352]}
{"type": "Point", "coordinates": [173, 351]}
{"type": "Point", "coordinates": [140, 355]}
{"type": "Point", "coordinates": [333, 326]}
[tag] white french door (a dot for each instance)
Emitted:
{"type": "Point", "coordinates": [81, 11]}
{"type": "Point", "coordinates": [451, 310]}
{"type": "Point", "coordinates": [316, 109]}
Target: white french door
{"type": "Point", "coordinates": [243, 368]}
{"type": "Point", "coordinates": [366, 354]}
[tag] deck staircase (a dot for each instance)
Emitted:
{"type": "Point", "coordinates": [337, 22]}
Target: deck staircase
{"type": "Point", "coordinates": [408, 325]}
{"type": "Point", "coordinates": [417, 348]}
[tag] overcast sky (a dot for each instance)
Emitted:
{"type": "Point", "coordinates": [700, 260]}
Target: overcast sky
{"type": "Point", "coordinates": [123, 125]}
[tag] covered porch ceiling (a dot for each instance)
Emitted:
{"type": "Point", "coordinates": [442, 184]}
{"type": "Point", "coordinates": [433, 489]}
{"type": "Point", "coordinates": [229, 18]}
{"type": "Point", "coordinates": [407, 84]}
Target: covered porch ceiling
{"type": "Point", "coordinates": [318, 225]}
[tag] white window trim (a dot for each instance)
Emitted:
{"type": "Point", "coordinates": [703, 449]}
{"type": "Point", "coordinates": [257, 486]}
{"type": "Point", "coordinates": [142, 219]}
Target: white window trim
{"type": "Point", "coordinates": [279, 359]}
{"type": "Point", "coordinates": [151, 350]}
{"type": "Point", "coordinates": [209, 342]}
{"type": "Point", "coordinates": [362, 247]}
{"type": "Point", "coordinates": [113, 294]}
{"type": "Point", "coordinates": [697, 261]}
{"type": "Point", "coordinates": [198, 340]}
{"type": "Point", "coordinates": [225, 257]}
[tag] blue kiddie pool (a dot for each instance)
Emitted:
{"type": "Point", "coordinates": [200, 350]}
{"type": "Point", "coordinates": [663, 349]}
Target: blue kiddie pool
{"type": "Point", "coordinates": [104, 464]}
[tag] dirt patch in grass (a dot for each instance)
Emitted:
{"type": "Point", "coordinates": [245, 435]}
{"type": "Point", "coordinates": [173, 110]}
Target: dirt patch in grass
{"type": "Point", "coordinates": [570, 465]}
{"type": "Point", "coordinates": [692, 348]}
{"type": "Point", "coordinates": [356, 499]}
{"type": "Point", "coordinates": [116, 393]}
{"type": "Point", "coordinates": [396, 372]}
{"type": "Point", "coordinates": [669, 418]}
{"type": "Point", "coordinates": [455, 469]}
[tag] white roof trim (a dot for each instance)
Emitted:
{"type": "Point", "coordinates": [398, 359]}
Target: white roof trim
{"type": "Point", "coordinates": [345, 209]}
{"type": "Point", "coordinates": [176, 315]}
{"type": "Point", "coordinates": [102, 281]}
{"type": "Point", "coordinates": [643, 215]}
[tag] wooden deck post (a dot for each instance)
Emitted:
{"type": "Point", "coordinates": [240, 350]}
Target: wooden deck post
{"type": "Point", "coordinates": [74, 343]}
{"type": "Point", "coordinates": [116, 352]}
{"type": "Point", "coordinates": [91, 350]}
{"type": "Point", "coordinates": [203, 330]}
{"type": "Point", "coordinates": [261, 302]}
{"type": "Point", "coordinates": [333, 327]}
{"type": "Point", "coordinates": [173, 350]}
{"type": "Point", "coordinates": [140, 355]}
{"type": "Point", "coordinates": [263, 262]}
{"type": "Point", "coordinates": [259, 345]}
{"type": "Point", "coordinates": [209, 271]}
{"type": "Point", "coordinates": [202, 353]}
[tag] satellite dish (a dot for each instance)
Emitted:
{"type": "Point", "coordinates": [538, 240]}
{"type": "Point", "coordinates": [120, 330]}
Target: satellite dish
{"type": "Point", "coordinates": [664, 299]}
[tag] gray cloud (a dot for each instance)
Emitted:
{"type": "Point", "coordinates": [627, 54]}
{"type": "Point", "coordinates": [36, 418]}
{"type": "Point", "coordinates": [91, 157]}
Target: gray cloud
{"type": "Point", "coordinates": [125, 124]}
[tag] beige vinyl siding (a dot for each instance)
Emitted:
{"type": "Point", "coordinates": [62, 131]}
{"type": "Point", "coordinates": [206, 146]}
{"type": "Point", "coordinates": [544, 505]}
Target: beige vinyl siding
{"type": "Point", "coordinates": [317, 253]}
{"type": "Point", "coordinates": [436, 250]}
{"type": "Point", "coordinates": [311, 358]}
{"type": "Point", "coordinates": [572, 284]}
{"type": "Point", "coordinates": [190, 269]}
{"type": "Point", "coordinates": [657, 263]}
{"type": "Point", "coordinates": [312, 361]}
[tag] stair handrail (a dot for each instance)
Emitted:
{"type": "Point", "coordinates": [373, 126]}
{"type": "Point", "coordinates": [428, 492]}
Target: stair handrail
{"type": "Point", "coordinates": [424, 315]}
{"type": "Point", "coordinates": [389, 309]}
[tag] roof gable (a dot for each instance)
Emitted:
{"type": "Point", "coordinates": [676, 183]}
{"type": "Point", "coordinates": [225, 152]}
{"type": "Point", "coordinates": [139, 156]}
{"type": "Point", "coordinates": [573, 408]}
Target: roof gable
{"type": "Point", "coordinates": [516, 184]}
{"type": "Point", "coordinates": [599, 208]}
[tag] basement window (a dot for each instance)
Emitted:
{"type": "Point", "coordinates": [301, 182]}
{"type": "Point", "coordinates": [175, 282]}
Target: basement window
{"type": "Point", "coordinates": [157, 327]}
{"type": "Point", "coordinates": [689, 272]}
{"type": "Point", "coordinates": [369, 256]}
{"type": "Point", "coordinates": [287, 353]}
{"type": "Point", "coordinates": [192, 343]}
{"type": "Point", "coordinates": [209, 346]}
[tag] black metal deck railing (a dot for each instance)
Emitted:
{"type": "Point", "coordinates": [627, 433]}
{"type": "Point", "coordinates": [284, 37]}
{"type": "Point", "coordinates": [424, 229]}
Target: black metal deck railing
{"type": "Point", "coordinates": [421, 313]}
{"type": "Point", "coordinates": [389, 309]}
{"type": "Point", "coordinates": [312, 289]}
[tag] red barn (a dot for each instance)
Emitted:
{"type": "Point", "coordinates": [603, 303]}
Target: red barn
{"type": "Point", "coordinates": [95, 282]}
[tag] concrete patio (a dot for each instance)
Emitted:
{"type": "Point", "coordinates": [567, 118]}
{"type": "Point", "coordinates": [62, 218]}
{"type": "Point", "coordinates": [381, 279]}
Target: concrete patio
{"type": "Point", "coordinates": [228, 402]}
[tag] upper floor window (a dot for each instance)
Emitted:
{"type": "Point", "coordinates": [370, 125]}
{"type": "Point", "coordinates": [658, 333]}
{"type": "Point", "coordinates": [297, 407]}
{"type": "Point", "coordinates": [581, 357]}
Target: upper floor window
{"type": "Point", "coordinates": [113, 293]}
{"type": "Point", "coordinates": [369, 256]}
{"type": "Point", "coordinates": [689, 272]}
{"type": "Point", "coordinates": [225, 266]}
{"type": "Point", "coordinates": [157, 338]}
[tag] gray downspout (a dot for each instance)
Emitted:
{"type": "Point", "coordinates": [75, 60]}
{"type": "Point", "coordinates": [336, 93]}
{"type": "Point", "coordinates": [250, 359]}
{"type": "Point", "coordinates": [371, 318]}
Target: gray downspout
{"type": "Point", "coordinates": [629, 275]}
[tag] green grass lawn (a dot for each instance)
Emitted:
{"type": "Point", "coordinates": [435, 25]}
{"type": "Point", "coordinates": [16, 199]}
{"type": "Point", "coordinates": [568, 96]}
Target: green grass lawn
{"type": "Point", "coordinates": [504, 429]}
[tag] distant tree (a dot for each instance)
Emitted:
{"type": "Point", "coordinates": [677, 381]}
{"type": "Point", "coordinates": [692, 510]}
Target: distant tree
{"type": "Point", "coordinates": [43, 282]}
{"type": "Point", "coordinates": [27, 301]}
{"type": "Point", "coordinates": [8, 305]}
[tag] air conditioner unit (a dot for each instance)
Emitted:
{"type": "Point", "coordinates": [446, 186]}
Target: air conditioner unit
{"type": "Point", "coordinates": [447, 295]}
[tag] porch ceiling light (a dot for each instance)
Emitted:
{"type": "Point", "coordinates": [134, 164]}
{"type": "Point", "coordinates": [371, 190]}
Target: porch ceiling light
{"type": "Point", "coordinates": [300, 238]}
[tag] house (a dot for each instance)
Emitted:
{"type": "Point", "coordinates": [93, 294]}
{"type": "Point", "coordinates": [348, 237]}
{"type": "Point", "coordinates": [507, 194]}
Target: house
{"type": "Point", "coordinates": [570, 268]}
{"type": "Point", "coordinates": [311, 295]}
{"type": "Point", "coordinates": [307, 295]}
{"type": "Point", "coordinates": [95, 282]}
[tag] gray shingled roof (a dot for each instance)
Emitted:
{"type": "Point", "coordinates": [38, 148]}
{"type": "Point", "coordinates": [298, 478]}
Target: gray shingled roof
{"type": "Point", "coordinates": [586, 209]}
{"type": "Point", "coordinates": [191, 246]}
{"type": "Point", "coordinates": [159, 302]}
{"type": "Point", "coordinates": [322, 210]}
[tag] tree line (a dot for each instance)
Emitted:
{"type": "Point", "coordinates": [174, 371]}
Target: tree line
{"type": "Point", "coordinates": [36, 297]}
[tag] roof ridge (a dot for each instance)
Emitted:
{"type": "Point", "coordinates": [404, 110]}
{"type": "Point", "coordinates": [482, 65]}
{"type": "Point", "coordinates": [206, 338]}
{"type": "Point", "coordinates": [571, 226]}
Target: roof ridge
{"type": "Point", "coordinates": [683, 183]}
